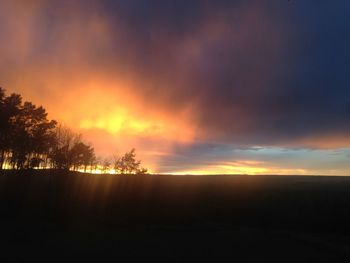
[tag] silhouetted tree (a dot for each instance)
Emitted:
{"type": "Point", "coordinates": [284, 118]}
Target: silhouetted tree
{"type": "Point", "coordinates": [61, 155]}
{"type": "Point", "coordinates": [32, 136]}
{"type": "Point", "coordinates": [26, 135]}
{"type": "Point", "coordinates": [10, 107]}
{"type": "Point", "coordinates": [82, 155]}
{"type": "Point", "coordinates": [141, 171]}
{"type": "Point", "coordinates": [106, 165]}
{"type": "Point", "coordinates": [93, 163]}
{"type": "Point", "coordinates": [127, 164]}
{"type": "Point", "coordinates": [69, 152]}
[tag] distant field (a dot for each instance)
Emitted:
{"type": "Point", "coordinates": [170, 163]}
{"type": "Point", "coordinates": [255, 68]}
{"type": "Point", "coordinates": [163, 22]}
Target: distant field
{"type": "Point", "coordinates": [70, 215]}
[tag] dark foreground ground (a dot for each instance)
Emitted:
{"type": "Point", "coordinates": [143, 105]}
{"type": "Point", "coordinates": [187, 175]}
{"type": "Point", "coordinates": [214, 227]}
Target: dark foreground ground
{"type": "Point", "coordinates": [51, 216]}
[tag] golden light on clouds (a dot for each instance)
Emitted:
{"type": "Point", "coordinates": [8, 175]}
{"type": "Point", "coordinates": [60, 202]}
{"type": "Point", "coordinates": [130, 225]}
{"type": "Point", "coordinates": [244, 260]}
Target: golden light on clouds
{"type": "Point", "coordinates": [118, 110]}
{"type": "Point", "coordinates": [121, 113]}
{"type": "Point", "coordinates": [120, 121]}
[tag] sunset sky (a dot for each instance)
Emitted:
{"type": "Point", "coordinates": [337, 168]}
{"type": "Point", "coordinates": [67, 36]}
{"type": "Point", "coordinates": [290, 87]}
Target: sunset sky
{"type": "Point", "coordinates": [196, 86]}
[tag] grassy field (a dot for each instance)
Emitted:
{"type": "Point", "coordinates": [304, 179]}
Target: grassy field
{"type": "Point", "coordinates": [59, 215]}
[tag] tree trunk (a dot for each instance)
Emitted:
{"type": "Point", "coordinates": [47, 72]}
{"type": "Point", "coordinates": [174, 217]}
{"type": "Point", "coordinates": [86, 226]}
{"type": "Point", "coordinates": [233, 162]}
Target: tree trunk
{"type": "Point", "coordinates": [2, 159]}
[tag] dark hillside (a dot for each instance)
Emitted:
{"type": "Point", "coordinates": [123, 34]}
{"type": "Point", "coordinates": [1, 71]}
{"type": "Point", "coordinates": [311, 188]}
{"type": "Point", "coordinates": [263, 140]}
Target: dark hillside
{"type": "Point", "coordinates": [71, 215]}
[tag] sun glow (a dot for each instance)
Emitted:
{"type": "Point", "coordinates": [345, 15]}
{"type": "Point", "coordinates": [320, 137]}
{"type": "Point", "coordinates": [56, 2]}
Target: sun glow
{"type": "Point", "coordinates": [120, 111]}
{"type": "Point", "coordinates": [121, 121]}
{"type": "Point", "coordinates": [240, 167]}
{"type": "Point", "coordinates": [118, 122]}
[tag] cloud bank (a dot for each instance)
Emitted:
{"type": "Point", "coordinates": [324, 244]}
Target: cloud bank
{"type": "Point", "coordinates": [159, 74]}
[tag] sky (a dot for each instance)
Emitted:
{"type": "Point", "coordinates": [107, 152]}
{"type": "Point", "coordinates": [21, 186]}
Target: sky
{"type": "Point", "coordinates": [196, 86]}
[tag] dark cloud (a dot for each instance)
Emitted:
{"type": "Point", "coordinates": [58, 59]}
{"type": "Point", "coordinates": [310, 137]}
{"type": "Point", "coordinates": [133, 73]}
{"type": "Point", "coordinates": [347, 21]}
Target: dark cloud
{"type": "Point", "coordinates": [256, 73]}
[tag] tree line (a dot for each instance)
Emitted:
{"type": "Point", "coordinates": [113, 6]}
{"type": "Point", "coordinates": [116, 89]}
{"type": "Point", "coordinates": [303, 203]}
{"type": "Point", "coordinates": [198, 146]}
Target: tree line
{"type": "Point", "coordinates": [29, 140]}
